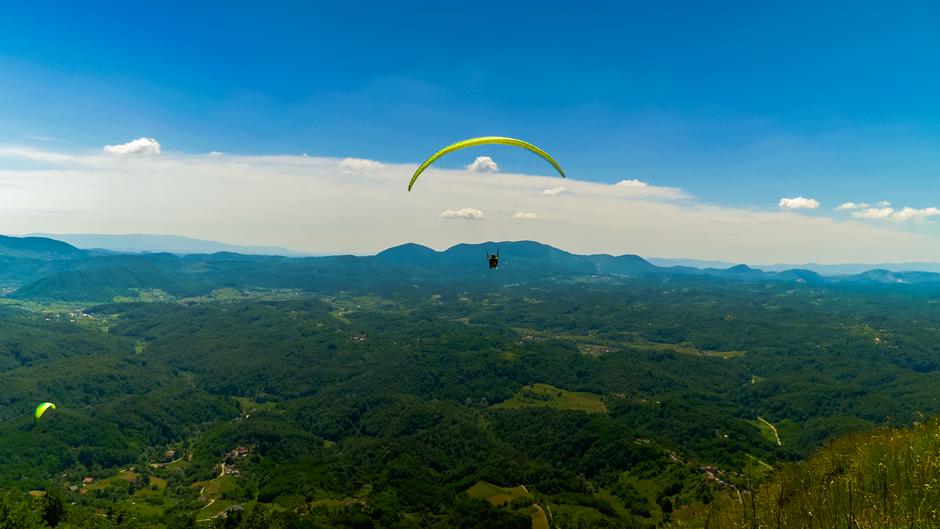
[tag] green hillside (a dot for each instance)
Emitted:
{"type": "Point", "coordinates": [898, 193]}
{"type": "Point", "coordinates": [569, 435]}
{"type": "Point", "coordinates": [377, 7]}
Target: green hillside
{"type": "Point", "coordinates": [886, 478]}
{"type": "Point", "coordinates": [204, 391]}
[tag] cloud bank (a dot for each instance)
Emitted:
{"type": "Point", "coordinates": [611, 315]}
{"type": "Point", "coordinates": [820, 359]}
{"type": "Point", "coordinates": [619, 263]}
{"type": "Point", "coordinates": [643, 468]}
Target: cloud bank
{"type": "Point", "coordinates": [851, 205]}
{"type": "Point", "coordinates": [320, 204]}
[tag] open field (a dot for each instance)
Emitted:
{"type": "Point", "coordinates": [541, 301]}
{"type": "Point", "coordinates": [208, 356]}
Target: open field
{"type": "Point", "coordinates": [498, 496]}
{"type": "Point", "coordinates": [215, 487]}
{"type": "Point", "coordinates": [177, 464]}
{"type": "Point", "coordinates": [547, 396]}
{"type": "Point", "coordinates": [495, 494]}
{"type": "Point", "coordinates": [539, 518]}
{"type": "Point", "coordinates": [248, 405]}
{"type": "Point", "coordinates": [213, 509]}
{"type": "Point", "coordinates": [122, 478]}
{"type": "Point", "coordinates": [686, 348]}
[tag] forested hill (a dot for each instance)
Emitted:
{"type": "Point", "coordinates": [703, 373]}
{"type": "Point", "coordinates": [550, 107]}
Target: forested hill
{"type": "Point", "coordinates": [27, 259]}
{"type": "Point", "coordinates": [38, 248]}
{"type": "Point", "coordinates": [44, 269]}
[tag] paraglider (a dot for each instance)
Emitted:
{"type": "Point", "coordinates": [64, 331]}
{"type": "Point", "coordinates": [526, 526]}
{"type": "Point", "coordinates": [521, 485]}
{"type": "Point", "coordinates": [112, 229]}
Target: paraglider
{"type": "Point", "coordinates": [41, 409]}
{"type": "Point", "coordinates": [485, 140]}
{"type": "Point", "coordinates": [491, 258]}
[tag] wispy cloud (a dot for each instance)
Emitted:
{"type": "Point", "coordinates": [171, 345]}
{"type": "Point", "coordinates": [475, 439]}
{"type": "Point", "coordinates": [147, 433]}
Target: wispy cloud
{"type": "Point", "coordinates": [138, 147]}
{"type": "Point", "coordinates": [357, 165]}
{"type": "Point", "coordinates": [852, 205]}
{"type": "Point", "coordinates": [555, 191]}
{"type": "Point", "coordinates": [524, 215]}
{"type": "Point", "coordinates": [638, 188]}
{"type": "Point", "coordinates": [36, 155]}
{"type": "Point", "coordinates": [632, 184]}
{"type": "Point", "coordinates": [798, 203]}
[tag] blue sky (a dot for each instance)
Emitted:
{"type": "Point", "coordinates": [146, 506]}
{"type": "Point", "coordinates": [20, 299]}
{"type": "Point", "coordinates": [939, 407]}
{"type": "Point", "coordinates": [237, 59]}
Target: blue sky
{"type": "Point", "coordinates": [738, 103]}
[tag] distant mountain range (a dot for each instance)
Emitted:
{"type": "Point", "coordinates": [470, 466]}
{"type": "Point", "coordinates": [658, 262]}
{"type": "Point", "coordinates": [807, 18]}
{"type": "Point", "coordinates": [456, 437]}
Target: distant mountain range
{"type": "Point", "coordinates": [175, 244]}
{"type": "Point", "coordinates": [180, 245]}
{"type": "Point", "coordinates": [43, 268]}
{"type": "Point", "coordinates": [824, 269]}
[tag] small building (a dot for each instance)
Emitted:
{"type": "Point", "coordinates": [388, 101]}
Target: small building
{"type": "Point", "coordinates": [88, 481]}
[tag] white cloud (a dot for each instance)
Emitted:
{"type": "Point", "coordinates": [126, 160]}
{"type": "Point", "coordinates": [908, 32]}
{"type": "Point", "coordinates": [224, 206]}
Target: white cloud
{"type": "Point", "coordinates": [463, 213]}
{"type": "Point", "coordinates": [555, 191]}
{"type": "Point", "coordinates": [138, 147]}
{"type": "Point", "coordinates": [852, 205]}
{"type": "Point", "coordinates": [483, 164]}
{"type": "Point", "coordinates": [917, 215]}
{"type": "Point", "coordinates": [900, 215]}
{"type": "Point", "coordinates": [798, 203]}
{"type": "Point", "coordinates": [357, 165]}
{"type": "Point", "coordinates": [874, 213]}
{"type": "Point", "coordinates": [215, 153]}
{"type": "Point", "coordinates": [884, 204]}
{"type": "Point", "coordinates": [523, 215]}
{"type": "Point", "coordinates": [633, 183]}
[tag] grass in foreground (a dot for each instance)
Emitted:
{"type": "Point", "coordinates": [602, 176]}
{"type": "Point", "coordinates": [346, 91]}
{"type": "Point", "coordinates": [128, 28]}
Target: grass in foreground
{"type": "Point", "coordinates": [886, 478]}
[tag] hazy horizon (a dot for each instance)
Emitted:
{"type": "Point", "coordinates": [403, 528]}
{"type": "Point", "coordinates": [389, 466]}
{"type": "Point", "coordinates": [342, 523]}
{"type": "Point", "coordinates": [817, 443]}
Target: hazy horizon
{"type": "Point", "coordinates": [154, 243]}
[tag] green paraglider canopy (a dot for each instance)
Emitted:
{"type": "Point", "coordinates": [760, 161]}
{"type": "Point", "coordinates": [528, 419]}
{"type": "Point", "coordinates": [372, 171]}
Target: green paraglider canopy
{"type": "Point", "coordinates": [42, 409]}
{"type": "Point", "coordinates": [485, 140]}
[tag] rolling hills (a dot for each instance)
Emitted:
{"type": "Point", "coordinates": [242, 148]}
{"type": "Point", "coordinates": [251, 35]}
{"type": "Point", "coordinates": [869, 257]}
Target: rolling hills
{"type": "Point", "coordinates": [377, 391]}
{"type": "Point", "coordinates": [43, 269]}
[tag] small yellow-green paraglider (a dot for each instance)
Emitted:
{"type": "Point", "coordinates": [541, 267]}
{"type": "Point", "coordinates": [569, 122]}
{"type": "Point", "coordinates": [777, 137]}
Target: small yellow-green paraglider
{"type": "Point", "coordinates": [42, 409]}
{"type": "Point", "coordinates": [485, 140]}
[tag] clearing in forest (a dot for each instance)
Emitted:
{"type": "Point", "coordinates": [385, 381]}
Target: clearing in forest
{"type": "Point", "coordinates": [548, 396]}
{"type": "Point", "coordinates": [498, 496]}
{"type": "Point", "coordinates": [495, 494]}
